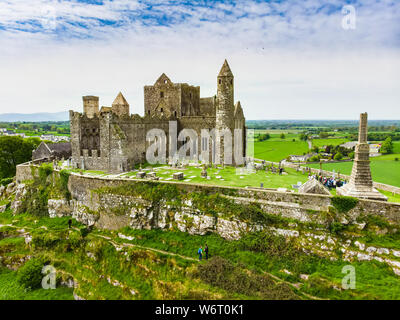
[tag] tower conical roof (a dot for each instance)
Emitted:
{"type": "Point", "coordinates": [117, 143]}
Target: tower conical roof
{"type": "Point", "coordinates": [120, 99]}
{"type": "Point", "coordinates": [225, 70]}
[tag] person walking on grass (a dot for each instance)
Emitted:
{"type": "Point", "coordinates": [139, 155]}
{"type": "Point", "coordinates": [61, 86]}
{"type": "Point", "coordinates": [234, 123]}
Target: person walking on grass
{"type": "Point", "coordinates": [206, 251]}
{"type": "Point", "coordinates": [200, 252]}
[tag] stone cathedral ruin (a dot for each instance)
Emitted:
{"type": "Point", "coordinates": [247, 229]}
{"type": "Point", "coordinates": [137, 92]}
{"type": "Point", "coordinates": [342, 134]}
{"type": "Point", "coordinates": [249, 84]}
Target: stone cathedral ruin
{"type": "Point", "coordinates": [111, 139]}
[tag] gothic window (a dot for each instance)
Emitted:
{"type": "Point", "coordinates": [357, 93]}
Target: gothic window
{"type": "Point", "coordinates": [175, 113]}
{"type": "Point", "coordinates": [219, 81]}
{"type": "Point", "coordinates": [161, 94]}
{"type": "Point", "coordinates": [161, 110]}
{"type": "Point", "coordinates": [148, 112]}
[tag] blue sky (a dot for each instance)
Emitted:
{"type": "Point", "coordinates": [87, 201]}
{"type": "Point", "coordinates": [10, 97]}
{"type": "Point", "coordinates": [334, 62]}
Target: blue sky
{"type": "Point", "coordinates": [291, 59]}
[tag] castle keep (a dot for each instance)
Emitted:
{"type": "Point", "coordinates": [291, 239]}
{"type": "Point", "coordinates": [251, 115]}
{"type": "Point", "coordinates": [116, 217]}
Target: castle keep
{"type": "Point", "coordinates": [111, 139]}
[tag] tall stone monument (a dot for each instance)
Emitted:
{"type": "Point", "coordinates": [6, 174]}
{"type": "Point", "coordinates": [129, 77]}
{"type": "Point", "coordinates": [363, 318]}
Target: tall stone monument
{"type": "Point", "coordinates": [361, 184]}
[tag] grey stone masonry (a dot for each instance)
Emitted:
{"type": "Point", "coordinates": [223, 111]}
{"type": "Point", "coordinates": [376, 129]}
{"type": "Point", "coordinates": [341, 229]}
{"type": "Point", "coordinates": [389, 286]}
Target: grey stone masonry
{"type": "Point", "coordinates": [113, 140]}
{"type": "Point", "coordinates": [361, 184]}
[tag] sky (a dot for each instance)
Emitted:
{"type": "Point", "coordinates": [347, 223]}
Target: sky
{"type": "Point", "coordinates": [299, 59]}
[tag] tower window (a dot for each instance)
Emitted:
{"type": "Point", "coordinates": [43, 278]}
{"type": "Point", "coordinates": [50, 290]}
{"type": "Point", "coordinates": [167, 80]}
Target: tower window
{"type": "Point", "coordinates": [161, 94]}
{"type": "Point", "coordinates": [219, 81]}
{"type": "Point", "coordinates": [231, 81]}
{"type": "Point", "coordinates": [148, 112]}
{"type": "Point", "coordinates": [161, 110]}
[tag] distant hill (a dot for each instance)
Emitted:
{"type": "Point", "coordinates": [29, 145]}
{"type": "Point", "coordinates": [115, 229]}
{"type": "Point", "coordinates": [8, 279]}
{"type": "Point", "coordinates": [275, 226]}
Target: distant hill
{"type": "Point", "coordinates": [34, 117]}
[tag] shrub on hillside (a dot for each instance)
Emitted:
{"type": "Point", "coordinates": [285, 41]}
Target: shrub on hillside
{"type": "Point", "coordinates": [222, 273]}
{"type": "Point", "coordinates": [6, 181]}
{"type": "Point", "coordinates": [30, 274]}
{"type": "Point", "coordinates": [343, 204]}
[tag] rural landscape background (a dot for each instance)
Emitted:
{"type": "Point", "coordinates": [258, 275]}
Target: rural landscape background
{"type": "Point", "coordinates": [155, 264]}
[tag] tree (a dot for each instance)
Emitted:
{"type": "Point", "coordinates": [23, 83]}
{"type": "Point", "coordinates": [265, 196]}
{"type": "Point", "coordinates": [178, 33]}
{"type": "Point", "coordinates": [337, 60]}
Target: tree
{"type": "Point", "coordinates": [282, 136]}
{"type": "Point", "coordinates": [387, 146]}
{"type": "Point", "coordinates": [13, 151]}
{"type": "Point", "coordinates": [338, 156]}
{"type": "Point", "coordinates": [263, 137]}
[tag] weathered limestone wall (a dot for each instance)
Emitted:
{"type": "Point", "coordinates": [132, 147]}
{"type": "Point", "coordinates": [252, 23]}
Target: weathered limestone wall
{"type": "Point", "coordinates": [295, 205]}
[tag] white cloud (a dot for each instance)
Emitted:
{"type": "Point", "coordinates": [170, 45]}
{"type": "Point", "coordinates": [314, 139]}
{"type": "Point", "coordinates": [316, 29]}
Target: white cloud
{"type": "Point", "coordinates": [300, 64]}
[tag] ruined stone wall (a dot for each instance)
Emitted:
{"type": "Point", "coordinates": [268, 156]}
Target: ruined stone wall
{"type": "Point", "coordinates": [298, 206]}
{"type": "Point", "coordinates": [163, 95]}
{"type": "Point", "coordinates": [208, 106]}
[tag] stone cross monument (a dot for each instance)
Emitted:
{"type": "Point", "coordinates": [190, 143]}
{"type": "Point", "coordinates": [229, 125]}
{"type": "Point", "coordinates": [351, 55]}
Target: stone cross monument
{"type": "Point", "coordinates": [361, 184]}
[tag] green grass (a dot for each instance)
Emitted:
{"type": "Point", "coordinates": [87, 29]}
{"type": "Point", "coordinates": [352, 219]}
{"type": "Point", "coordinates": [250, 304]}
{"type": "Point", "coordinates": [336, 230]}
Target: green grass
{"type": "Point", "coordinates": [278, 150]}
{"type": "Point", "coordinates": [325, 142]}
{"type": "Point", "coordinates": [384, 169]}
{"type": "Point", "coordinates": [396, 147]}
{"type": "Point", "coordinates": [11, 290]}
{"type": "Point", "coordinates": [233, 178]}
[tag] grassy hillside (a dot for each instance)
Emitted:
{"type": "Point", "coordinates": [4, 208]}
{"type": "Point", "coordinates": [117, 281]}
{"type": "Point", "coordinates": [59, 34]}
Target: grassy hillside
{"type": "Point", "coordinates": [154, 264]}
{"type": "Point", "coordinates": [279, 149]}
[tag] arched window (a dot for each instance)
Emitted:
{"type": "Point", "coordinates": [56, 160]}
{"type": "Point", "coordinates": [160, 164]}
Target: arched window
{"type": "Point", "coordinates": [162, 94]}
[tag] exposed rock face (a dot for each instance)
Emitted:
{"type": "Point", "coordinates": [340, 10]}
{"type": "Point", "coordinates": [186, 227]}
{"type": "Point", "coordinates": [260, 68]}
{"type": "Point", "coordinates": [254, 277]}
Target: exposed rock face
{"type": "Point", "coordinates": [3, 208]}
{"type": "Point", "coordinates": [20, 192]}
{"type": "Point", "coordinates": [2, 189]}
{"type": "Point", "coordinates": [313, 186]}
{"type": "Point", "coordinates": [59, 208]}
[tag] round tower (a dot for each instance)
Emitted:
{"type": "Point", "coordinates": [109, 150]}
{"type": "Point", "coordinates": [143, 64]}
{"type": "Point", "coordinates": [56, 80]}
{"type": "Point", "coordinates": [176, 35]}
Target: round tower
{"type": "Point", "coordinates": [225, 106]}
{"type": "Point", "coordinates": [224, 122]}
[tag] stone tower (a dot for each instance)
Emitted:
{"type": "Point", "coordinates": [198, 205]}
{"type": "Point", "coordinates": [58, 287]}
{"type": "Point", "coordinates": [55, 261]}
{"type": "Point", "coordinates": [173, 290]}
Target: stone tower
{"type": "Point", "coordinates": [224, 113]}
{"type": "Point", "coordinates": [361, 184]}
{"type": "Point", "coordinates": [90, 106]}
{"type": "Point", "coordinates": [120, 106]}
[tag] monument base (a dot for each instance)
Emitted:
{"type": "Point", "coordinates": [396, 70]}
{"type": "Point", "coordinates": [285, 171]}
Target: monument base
{"type": "Point", "coordinates": [361, 193]}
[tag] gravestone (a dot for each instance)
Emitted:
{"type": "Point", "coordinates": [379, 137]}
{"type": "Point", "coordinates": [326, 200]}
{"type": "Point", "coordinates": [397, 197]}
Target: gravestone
{"type": "Point", "coordinates": [178, 176]}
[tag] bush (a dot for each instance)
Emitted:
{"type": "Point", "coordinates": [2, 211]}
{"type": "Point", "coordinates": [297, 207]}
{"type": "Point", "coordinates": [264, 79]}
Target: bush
{"type": "Point", "coordinates": [6, 181]}
{"type": "Point", "coordinates": [30, 274]}
{"type": "Point", "coordinates": [233, 278]}
{"type": "Point", "coordinates": [336, 227]}
{"type": "Point", "coordinates": [338, 156]}
{"type": "Point", "coordinates": [344, 204]}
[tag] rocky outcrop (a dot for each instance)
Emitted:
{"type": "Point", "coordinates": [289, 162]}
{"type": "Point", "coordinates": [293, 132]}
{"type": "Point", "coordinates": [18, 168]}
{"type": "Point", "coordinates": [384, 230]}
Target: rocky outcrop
{"type": "Point", "coordinates": [20, 193]}
{"type": "Point", "coordinates": [59, 208]}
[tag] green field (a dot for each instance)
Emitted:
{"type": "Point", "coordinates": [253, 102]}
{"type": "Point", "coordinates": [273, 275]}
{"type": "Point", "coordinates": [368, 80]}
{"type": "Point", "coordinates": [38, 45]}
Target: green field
{"type": "Point", "coordinates": [326, 142]}
{"type": "Point", "coordinates": [384, 169]}
{"type": "Point", "coordinates": [278, 150]}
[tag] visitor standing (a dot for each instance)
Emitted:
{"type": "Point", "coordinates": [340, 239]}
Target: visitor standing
{"type": "Point", "coordinates": [206, 251]}
{"type": "Point", "coordinates": [200, 252]}
{"type": "Point", "coordinates": [69, 223]}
